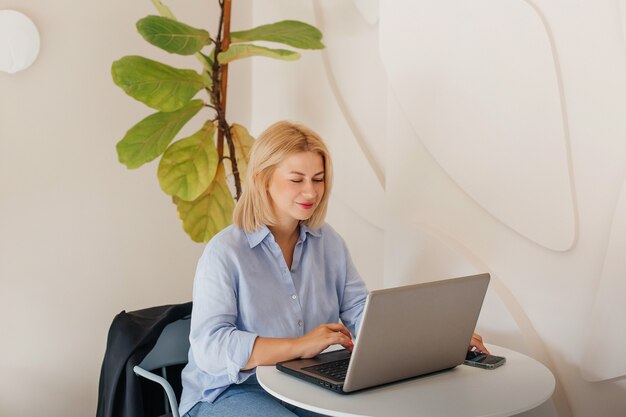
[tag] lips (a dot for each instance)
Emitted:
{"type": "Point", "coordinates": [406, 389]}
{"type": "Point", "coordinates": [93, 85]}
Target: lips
{"type": "Point", "coordinates": [306, 206]}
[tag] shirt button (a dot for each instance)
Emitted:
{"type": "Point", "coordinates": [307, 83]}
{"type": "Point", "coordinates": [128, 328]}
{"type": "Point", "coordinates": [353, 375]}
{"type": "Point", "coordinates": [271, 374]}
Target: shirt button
{"type": "Point", "coordinates": [300, 323]}
{"type": "Point", "coordinates": [293, 296]}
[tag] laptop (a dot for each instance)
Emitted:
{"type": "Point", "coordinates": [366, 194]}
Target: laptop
{"type": "Point", "coordinates": [405, 332]}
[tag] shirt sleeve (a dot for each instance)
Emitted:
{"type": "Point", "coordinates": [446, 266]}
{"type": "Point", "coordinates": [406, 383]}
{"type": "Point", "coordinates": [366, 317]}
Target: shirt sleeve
{"type": "Point", "coordinates": [218, 346]}
{"type": "Point", "coordinates": [354, 295]}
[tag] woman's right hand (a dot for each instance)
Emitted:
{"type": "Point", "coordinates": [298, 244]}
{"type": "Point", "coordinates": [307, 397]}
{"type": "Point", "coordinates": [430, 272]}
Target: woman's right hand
{"type": "Point", "coordinates": [320, 338]}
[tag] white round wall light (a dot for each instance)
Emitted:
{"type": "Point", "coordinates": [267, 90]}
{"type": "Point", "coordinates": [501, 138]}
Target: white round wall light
{"type": "Point", "coordinates": [19, 41]}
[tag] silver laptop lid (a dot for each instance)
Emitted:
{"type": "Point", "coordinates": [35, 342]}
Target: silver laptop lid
{"type": "Point", "coordinates": [414, 330]}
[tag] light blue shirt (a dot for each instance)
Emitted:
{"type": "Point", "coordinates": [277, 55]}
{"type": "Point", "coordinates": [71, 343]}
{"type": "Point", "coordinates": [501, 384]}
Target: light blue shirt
{"type": "Point", "coordinates": [244, 289]}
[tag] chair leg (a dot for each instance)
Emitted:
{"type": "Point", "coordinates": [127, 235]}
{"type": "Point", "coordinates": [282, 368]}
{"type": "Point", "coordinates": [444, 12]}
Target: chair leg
{"type": "Point", "coordinates": [166, 403]}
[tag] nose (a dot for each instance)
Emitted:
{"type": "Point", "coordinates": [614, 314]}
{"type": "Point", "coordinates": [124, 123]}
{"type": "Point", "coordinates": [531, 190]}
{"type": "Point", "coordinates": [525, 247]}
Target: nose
{"type": "Point", "coordinates": [309, 190]}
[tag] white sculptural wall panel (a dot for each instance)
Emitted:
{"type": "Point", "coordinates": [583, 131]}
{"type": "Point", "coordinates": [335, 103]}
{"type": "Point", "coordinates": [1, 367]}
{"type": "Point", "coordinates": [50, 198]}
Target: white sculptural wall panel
{"type": "Point", "coordinates": [369, 10]}
{"type": "Point", "coordinates": [462, 78]}
{"type": "Point", "coordinates": [350, 40]}
{"type": "Point", "coordinates": [606, 345]}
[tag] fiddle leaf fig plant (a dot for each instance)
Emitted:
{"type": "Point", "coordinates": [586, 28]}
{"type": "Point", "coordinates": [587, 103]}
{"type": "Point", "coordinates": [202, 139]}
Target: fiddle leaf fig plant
{"type": "Point", "coordinates": [192, 170]}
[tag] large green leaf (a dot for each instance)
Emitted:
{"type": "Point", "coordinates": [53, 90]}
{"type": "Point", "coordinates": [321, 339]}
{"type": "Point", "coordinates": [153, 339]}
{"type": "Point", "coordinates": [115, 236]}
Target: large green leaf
{"type": "Point", "coordinates": [149, 138]}
{"type": "Point", "coordinates": [243, 50]}
{"type": "Point", "coordinates": [290, 32]}
{"type": "Point", "coordinates": [172, 35]}
{"type": "Point", "coordinates": [243, 142]}
{"type": "Point", "coordinates": [209, 213]}
{"type": "Point", "coordinates": [158, 85]}
{"type": "Point", "coordinates": [189, 165]}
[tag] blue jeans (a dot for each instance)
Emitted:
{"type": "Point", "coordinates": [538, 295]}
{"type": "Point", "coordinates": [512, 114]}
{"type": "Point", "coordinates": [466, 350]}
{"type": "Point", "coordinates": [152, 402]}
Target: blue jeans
{"type": "Point", "coordinates": [247, 399]}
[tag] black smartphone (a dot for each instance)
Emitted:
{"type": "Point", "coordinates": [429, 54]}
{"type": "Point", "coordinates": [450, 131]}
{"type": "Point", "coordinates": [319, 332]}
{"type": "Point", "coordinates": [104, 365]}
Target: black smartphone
{"type": "Point", "coordinates": [482, 360]}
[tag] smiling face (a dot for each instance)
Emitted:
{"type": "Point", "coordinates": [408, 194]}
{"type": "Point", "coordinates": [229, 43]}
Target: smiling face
{"type": "Point", "coordinates": [296, 187]}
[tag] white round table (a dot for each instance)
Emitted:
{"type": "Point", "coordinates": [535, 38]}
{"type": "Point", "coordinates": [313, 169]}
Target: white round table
{"type": "Point", "coordinates": [519, 385]}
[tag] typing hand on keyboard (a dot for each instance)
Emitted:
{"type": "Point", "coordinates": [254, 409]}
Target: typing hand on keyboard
{"type": "Point", "coordinates": [320, 338]}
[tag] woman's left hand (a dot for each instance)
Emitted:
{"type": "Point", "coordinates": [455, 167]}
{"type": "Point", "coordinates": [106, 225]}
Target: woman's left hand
{"type": "Point", "coordinates": [477, 344]}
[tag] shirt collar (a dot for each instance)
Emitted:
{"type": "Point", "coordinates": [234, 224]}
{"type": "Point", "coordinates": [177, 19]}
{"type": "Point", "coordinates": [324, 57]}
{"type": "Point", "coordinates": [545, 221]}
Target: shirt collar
{"type": "Point", "coordinates": [257, 236]}
{"type": "Point", "coordinates": [304, 229]}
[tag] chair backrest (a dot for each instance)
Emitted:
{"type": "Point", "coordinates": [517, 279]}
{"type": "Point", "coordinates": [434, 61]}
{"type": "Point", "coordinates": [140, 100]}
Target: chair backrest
{"type": "Point", "coordinates": [172, 347]}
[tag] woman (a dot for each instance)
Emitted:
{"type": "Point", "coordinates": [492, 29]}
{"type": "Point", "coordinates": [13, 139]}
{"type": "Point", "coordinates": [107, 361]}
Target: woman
{"type": "Point", "coordinates": [272, 286]}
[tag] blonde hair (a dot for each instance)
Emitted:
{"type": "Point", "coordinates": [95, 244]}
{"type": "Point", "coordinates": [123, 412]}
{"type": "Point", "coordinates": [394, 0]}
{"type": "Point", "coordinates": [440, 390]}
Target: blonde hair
{"type": "Point", "coordinates": [277, 142]}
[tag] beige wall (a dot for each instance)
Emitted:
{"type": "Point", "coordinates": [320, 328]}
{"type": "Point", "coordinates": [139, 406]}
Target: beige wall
{"type": "Point", "coordinates": [82, 237]}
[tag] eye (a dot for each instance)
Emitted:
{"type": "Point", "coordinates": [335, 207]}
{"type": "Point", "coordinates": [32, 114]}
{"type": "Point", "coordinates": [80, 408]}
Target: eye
{"type": "Point", "coordinates": [296, 181]}
{"type": "Point", "coordinates": [318, 180]}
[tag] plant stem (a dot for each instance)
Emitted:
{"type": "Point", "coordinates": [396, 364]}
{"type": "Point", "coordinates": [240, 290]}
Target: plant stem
{"type": "Point", "coordinates": [217, 83]}
{"type": "Point", "coordinates": [220, 86]}
{"type": "Point", "coordinates": [225, 45]}
{"type": "Point", "coordinates": [224, 89]}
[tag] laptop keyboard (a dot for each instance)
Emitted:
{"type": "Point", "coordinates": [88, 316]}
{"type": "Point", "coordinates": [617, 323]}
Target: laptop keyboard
{"type": "Point", "coordinates": [334, 370]}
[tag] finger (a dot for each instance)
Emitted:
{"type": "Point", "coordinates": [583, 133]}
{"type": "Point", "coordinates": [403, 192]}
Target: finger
{"type": "Point", "coordinates": [338, 338]}
{"type": "Point", "coordinates": [348, 346]}
{"type": "Point", "coordinates": [478, 337]}
{"type": "Point", "coordinates": [346, 342]}
{"type": "Point", "coordinates": [479, 346]}
{"type": "Point", "coordinates": [338, 327]}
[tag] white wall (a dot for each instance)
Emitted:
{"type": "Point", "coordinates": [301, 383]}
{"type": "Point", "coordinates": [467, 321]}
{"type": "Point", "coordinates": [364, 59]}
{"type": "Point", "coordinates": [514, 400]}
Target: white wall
{"type": "Point", "coordinates": [480, 136]}
{"type": "Point", "coordinates": [82, 237]}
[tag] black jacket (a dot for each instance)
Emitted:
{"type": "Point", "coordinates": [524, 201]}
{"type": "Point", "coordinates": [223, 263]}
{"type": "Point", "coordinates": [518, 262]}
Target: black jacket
{"type": "Point", "coordinates": [131, 336]}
